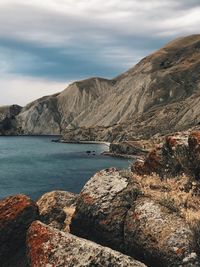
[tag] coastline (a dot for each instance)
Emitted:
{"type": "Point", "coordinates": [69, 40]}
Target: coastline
{"type": "Point", "coordinates": [82, 142]}
{"type": "Point", "coordinates": [123, 156]}
{"type": "Point", "coordinates": [106, 153]}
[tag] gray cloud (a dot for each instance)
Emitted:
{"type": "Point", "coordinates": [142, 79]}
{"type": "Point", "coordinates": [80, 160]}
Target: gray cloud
{"type": "Point", "coordinates": [64, 40]}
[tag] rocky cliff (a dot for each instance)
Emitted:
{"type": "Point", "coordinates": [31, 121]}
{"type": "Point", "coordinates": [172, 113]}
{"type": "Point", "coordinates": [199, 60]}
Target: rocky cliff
{"type": "Point", "coordinates": [158, 95]}
{"type": "Point", "coordinates": [8, 123]}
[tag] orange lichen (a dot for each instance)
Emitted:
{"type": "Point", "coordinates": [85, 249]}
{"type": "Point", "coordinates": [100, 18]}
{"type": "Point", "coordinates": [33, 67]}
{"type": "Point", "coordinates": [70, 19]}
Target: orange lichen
{"type": "Point", "coordinates": [136, 215]}
{"type": "Point", "coordinates": [150, 165]}
{"type": "Point", "coordinates": [12, 207]}
{"type": "Point", "coordinates": [87, 198]}
{"type": "Point", "coordinates": [37, 237]}
{"type": "Point", "coordinates": [171, 141]}
{"type": "Point", "coordinates": [180, 251]}
{"type": "Point", "coordinates": [103, 222]}
{"type": "Point", "coordinates": [194, 139]}
{"type": "Point", "coordinates": [152, 162]}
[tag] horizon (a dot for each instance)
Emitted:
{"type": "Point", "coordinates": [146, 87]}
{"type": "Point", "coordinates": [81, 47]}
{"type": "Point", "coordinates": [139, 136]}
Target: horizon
{"type": "Point", "coordinates": [45, 46]}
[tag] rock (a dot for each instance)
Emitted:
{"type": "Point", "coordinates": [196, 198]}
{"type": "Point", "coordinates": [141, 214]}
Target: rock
{"type": "Point", "coordinates": [101, 208]}
{"type": "Point", "coordinates": [116, 209]}
{"type": "Point", "coordinates": [194, 153]}
{"type": "Point", "coordinates": [56, 209]}
{"type": "Point", "coordinates": [48, 247]}
{"type": "Point", "coordinates": [8, 119]}
{"type": "Point", "coordinates": [179, 154]}
{"type": "Point", "coordinates": [128, 148]}
{"type": "Point", "coordinates": [151, 164]}
{"type": "Point", "coordinates": [16, 215]}
{"type": "Point", "coordinates": [159, 237]}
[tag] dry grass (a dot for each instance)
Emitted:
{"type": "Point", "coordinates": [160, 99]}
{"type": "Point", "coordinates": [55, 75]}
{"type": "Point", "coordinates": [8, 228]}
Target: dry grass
{"type": "Point", "coordinates": [178, 194]}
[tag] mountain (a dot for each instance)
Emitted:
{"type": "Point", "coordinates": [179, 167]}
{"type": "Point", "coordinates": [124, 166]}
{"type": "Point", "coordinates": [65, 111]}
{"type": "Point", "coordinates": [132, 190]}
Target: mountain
{"type": "Point", "coordinates": [160, 94]}
{"type": "Point", "coordinates": [7, 119]}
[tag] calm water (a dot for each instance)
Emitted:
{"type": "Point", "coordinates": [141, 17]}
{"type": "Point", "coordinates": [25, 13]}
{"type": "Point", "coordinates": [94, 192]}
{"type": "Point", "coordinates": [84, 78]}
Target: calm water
{"type": "Point", "coordinates": [34, 165]}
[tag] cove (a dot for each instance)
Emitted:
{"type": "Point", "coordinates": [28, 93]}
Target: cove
{"type": "Point", "coordinates": [33, 165]}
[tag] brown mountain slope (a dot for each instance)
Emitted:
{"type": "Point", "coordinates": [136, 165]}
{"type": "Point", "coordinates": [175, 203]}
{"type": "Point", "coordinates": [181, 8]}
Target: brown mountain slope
{"type": "Point", "coordinates": [160, 94]}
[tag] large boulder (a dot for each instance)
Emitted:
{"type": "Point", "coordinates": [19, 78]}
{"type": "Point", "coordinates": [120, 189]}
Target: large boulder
{"type": "Point", "coordinates": [48, 247]}
{"type": "Point", "coordinates": [158, 236]}
{"type": "Point", "coordinates": [115, 209]}
{"type": "Point", "coordinates": [56, 208]}
{"type": "Point", "coordinates": [16, 215]}
{"type": "Point", "coordinates": [102, 207]}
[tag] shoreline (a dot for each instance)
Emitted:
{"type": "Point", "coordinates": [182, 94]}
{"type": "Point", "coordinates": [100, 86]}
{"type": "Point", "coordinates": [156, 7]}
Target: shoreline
{"type": "Point", "coordinates": [123, 156]}
{"type": "Point", "coordinates": [62, 141]}
{"type": "Point", "coordinates": [82, 142]}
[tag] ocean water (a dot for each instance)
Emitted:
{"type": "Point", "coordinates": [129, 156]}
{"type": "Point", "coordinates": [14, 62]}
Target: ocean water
{"type": "Point", "coordinates": [35, 165]}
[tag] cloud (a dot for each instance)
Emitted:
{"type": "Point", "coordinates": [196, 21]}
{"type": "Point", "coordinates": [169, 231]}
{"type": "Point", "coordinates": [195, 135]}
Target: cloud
{"type": "Point", "coordinates": [14, 89]}
{"type": "Point", "coordinates": [62, 40]}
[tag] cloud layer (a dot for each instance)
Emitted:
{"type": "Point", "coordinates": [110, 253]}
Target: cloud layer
{"type": "Point", "coordinates": [56, 41]}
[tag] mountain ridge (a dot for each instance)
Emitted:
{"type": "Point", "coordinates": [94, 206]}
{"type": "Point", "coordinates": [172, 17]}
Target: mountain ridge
{"type": "Point", "coordinates": [159, 94]}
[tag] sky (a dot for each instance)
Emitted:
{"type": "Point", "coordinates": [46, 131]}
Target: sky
{"type": "Point", "coordinates": [47, 44]}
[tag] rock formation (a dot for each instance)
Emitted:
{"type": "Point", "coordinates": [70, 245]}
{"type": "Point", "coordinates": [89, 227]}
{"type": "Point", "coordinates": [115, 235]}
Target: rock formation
{"type": "Point", "coordinates": [158, 95]}
{"type": "Point", "coordinates": [117, 210]}
{"type": "Point", "coordinates": [56, 209]}
{"type": "Point", "coordinates": [129, 148]}
{"type": "Point", "coordinates": [8, 119]}
{"type": "Point", "coordinates": [179, 154]}
{"type": "Point", "coordinates": [16, 215]}
{"type": "Point", "coordinates": [150, 214]}
{"type": "Point", "coordinates": [48, 247]}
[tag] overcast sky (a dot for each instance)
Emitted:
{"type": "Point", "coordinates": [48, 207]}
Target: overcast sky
{"type": "Point", "coordinates": [46, 44]}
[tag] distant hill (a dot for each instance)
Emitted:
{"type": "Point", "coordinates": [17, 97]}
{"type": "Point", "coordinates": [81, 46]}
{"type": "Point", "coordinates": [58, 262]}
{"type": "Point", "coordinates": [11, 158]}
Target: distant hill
{"type": "Point", "coordinates": [160, 94]}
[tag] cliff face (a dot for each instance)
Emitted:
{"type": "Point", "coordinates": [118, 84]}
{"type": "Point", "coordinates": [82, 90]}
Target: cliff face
{"type": "Point", "coordinates": [160, 94]}
{"type": "Point", "coordinates": [8, 119]}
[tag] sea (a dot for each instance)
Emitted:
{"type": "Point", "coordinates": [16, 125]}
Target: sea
{"type": "Point", "coordinates": [34, 165]}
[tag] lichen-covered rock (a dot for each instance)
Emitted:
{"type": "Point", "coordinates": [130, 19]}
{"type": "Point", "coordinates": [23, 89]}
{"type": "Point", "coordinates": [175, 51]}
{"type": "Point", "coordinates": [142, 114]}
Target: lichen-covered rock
{"type": "Point", "coordinates": [56, 208]}
{"type": "Point", "coordinates": [194, 152]}
{"type": "Point", "coordinates": [16, 215]}
{"type": "Point", "coordinates": [48, 247]}
{"type": "Point", "coordinates": [178, 155]}
{"type": "Point", "coordinates": [159, 237]}
{"type": "Point", "coordinates": [102, 207]}
{"type": "Point", "coordinates": [116, 209]}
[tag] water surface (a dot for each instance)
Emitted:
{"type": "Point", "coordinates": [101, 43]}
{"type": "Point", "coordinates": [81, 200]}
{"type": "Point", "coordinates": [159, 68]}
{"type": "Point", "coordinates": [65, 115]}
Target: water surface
{"type": "Point", "coordinates": [35, 165]}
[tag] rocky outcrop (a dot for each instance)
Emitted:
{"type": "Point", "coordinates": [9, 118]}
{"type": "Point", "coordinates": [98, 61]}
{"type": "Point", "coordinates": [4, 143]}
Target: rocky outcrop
{"type": "Point", "coordinates": [160, 237]}
{"type": "Point", "coordinates": [8, 119]}
{"type": "Point", "coordinates": [16, 215]}
{"type": "Point", "coordinates": [56, 209]}
{"type": "Point", "coordinates": [115, 210]}
{"type": "Point", "coordinates": [52, 114]}
{"type": "Point", "coordinates": [131, 148]}
{"type": "Point", "coordinates": [49, 247]}
{"type": "Point", "coordinates": [158, 95]}
{"type": "Point", "coordinates": [179, 154]}
{"type": "Point", "coordinates": [101, 209]}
